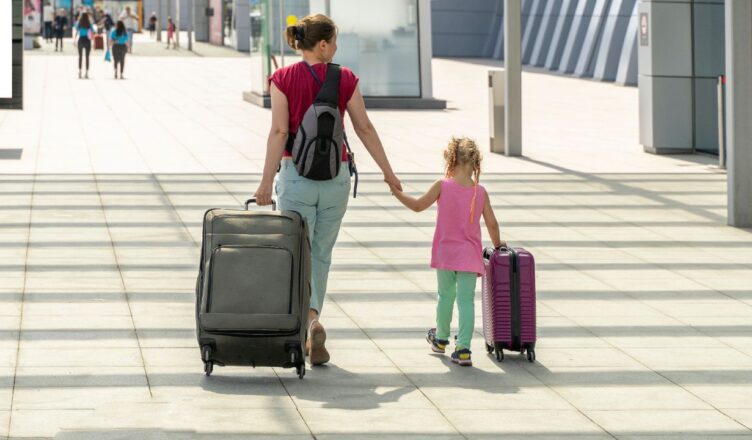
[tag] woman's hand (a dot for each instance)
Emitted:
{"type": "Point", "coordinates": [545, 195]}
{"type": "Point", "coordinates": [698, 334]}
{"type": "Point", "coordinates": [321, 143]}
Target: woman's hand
{"type": "Point", "coordinates": [263, 194]}
{"type": "Point", "coordinates": [393, 182]}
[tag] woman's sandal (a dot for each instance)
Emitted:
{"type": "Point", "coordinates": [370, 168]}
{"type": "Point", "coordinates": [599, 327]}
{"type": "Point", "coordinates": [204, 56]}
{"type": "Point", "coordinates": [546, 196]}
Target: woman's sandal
{"type": "Point", "coordinates": [315, 345]}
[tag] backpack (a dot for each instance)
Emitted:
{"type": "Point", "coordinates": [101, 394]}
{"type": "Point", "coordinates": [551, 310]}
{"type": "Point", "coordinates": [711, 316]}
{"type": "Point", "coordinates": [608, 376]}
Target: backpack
{"type": "Point", "coordinates": [316, 147]}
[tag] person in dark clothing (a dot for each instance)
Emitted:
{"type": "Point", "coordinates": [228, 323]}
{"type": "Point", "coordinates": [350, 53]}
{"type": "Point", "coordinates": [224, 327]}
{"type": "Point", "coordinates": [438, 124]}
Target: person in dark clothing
{"type": "Point", "coordinates": [82, 39]}
{"type": "Point", "coordinates": [152, 24]}
{"type": "Point", "coordinates": [118, 40]}
{"type": "Point", "coordinates": [58, 28]}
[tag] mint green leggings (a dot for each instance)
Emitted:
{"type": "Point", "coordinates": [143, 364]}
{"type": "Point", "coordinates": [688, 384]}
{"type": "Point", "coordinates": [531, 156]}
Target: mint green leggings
{"type": "Point", "coordinates": [460, 286]}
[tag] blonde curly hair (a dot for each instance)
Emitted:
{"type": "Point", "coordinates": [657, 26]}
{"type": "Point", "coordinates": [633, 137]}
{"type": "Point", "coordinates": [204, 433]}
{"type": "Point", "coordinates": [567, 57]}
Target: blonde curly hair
{"type": "Point", "coordinates": [463, 151]}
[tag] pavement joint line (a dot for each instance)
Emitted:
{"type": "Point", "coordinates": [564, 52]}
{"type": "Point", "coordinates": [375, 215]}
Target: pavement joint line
{"type": "Point", "coordinates": [187, 232]}
{"type": "Point", "coordinates": [436, 407]}
{"type": "Point", "coordinates": [643, 302]}
{"type": "Point", "coordinates": [26, 262]}
{"type": "Point", "coordinates": [297, 408]}
{"type": "Point", "coordinates": [658, 372]}
{"type": "Point", "coordinates": [615, 184]}
{"type": "Point", "coordinates": [117, 264]}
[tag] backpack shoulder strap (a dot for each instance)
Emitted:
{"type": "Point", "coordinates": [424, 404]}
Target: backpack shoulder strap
{"type": "Point", "coordinates": [329, 93]}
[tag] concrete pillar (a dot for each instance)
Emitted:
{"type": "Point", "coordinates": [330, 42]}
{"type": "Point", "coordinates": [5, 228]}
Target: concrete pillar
{"type": "Point", "coordinates": [426, 48]}
{"type": "Point", "coordinates": [159, 21]}
{"type": "Point", "coordinates": [513, 86]}
{"type": "Point", "coordinates": [191, 25]}
{"type": "Point", "coordinates": [739, 111]}
{"type": "Point", "coordinates": [177, 23]}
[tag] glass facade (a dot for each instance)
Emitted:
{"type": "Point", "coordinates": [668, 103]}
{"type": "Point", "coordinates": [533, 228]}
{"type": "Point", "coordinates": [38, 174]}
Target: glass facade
{"type": "Point", "coordinates": [379, 41]}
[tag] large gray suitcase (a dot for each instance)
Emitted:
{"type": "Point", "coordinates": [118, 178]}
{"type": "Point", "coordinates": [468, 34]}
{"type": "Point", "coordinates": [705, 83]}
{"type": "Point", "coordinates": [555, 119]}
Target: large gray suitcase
{"type": "Point", "coordinates": [253, 289]}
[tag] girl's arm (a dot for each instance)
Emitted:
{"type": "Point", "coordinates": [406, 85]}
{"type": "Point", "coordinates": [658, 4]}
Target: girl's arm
{"type": "Point", "coordinates": [492, 224]}
{"type": "Point", "coordinates": [365, 130]}
{"type": "Point", "coordinates": [422, 203]}
{"type": "Point", "coordinates": [275, 145]}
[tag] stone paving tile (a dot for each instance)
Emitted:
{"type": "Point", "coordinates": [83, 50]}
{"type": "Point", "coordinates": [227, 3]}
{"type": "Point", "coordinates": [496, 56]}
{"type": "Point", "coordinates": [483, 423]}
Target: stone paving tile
{"type": "Point", "coordinates": [645, 422]}
{"type": "Point", "coordinates": [643, 293]}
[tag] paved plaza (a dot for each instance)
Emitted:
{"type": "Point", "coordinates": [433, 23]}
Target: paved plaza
{"type": "Point", "coordinates": [645, 296]}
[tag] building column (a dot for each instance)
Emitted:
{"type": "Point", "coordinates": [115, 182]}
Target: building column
{"type": "Point", "coordinates": [513, 86]}
{"type": "Point", "coordinates": [739, 111]}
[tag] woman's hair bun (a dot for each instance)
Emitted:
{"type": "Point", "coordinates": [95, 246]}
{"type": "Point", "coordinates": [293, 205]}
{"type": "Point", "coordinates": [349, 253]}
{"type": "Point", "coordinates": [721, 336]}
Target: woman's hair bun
{"type": "Point", "coordinates": [309, 31]}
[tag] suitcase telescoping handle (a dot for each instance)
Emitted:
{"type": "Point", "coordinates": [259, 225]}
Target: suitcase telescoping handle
{"type": "Point", "coordinates": [487, 252]}
{"type": "Point", "coordinates": [253, 200]}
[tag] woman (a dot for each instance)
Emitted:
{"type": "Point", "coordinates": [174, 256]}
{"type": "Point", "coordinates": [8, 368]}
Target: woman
{"type": "Point", "coordinates": [58, 27]}
{"type": "Point", "coordinates": [118, 41]}
{"type": "Point", "coordinates": [82, 39]}
{"type": "Point", "coordinates": [152, 24]}
{"type": "Point", "coordinates": [322, 203]}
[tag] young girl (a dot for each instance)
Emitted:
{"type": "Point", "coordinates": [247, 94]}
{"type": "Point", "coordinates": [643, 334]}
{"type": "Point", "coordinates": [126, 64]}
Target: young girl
{"type": "Point", "coordinates": [171, 33]}
{"type": "Point", "coordinates": [457, 250]}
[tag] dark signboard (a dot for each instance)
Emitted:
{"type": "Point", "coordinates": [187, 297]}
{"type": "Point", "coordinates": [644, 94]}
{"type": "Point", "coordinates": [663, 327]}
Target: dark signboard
{"type": "Point", "coordinates": [11, 54]}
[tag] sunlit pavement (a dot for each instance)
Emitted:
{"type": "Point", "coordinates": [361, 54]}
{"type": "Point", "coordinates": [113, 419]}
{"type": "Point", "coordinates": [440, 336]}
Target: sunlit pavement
{"type": "Point", "coordinates": [645, 298]}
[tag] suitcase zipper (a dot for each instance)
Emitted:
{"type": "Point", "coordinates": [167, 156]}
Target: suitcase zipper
{"type": "Point", "coordinates": [514, 287]}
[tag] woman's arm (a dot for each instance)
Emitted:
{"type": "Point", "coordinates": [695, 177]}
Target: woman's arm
{"type": "Point", "coordinates": [423, 202]}
{"type": "Point", "coordinates": [365, 130]}
{"type": "Point", "coordinates": [492, 224]}
{"type": "Point", "coordinates": [275, 145]}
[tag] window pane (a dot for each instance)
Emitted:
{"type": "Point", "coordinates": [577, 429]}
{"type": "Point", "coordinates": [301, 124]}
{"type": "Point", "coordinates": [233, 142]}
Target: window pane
{"type": "Point", "coordinates": [378, 40]}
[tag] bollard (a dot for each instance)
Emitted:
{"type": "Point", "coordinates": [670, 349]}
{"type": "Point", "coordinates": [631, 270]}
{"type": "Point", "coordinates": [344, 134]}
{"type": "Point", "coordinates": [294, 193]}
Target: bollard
{"type": "Point", "coordinates": [496, 109]}
{"type": "Point", "coordinates": [721, 122]}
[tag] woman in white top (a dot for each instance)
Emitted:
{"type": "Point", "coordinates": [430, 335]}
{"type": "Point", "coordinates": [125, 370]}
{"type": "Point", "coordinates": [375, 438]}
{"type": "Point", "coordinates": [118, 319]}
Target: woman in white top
{"type": "Point", "coordinates": [130, 20]}
{"type": "Point", "coordinates": [48, 14]}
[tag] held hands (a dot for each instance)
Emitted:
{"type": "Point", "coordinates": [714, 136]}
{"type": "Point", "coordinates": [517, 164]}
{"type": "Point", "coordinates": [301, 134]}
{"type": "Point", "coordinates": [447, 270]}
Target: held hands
{"type": "Point", "coordinates": [393, 182]}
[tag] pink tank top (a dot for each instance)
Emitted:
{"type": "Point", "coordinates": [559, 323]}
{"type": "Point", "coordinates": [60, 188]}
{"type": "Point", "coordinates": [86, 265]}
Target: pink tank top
{"type": "Point", "coordinates": [457, 242]}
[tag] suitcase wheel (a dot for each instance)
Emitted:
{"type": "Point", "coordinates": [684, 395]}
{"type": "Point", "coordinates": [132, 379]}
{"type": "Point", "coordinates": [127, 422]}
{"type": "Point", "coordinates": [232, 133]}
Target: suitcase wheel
{"type": "Point", "coordinates": [489, 348]}
{"type": "Point", "coordinates": [530, 355]}
{"type": "Point", "coordinates": [295, 359]}
{"type": "Point", "coordinates": [500, 354]}
{"type": "Point", "coordinates": [206, 357]}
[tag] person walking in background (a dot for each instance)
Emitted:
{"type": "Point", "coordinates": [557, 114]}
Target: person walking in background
{"type": "Point", "coordinates": [130, 20]}
{"type": "Point", "coordinates": [152, 24]}
{"type": "Point", "coordinates": [170, 33]}
{"type": "Point", "coordinates": [118, 40]}
{"type": "Point", "coordinates": [107, 22]}
{"type": "Point", "coordinates": [83, 34]}
{"type": "Point", "coordinates": [48, 13]}
{"type": "Point", "coordinates": [58, 28]}
{"type": "Point", "coordinates": [322, 203]}
{"type": "Point", "coordinates": [457, 253]}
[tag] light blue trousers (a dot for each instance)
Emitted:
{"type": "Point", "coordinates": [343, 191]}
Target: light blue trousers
{"type": "Point", "coordinates": [323, 204]}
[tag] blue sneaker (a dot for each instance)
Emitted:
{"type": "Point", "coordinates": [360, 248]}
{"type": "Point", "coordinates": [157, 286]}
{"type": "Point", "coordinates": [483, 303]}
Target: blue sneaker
{"type": "Point", "coordinates": [437, 345]}
{"type": "Point", "coordinates": [462, 357]}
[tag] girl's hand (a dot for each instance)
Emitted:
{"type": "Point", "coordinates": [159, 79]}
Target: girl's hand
{"type": "Point", "coordinates": [263, 194]}
{"type": "Point", "coordinates": [393, 181]}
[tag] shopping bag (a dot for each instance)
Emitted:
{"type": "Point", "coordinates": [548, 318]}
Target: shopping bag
{"type": "Point", "coordinates": [107, 56]}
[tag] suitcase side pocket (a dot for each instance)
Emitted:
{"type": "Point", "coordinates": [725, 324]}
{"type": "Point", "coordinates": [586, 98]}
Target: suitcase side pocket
{"type": "Point", "coordinates": [247, 281]}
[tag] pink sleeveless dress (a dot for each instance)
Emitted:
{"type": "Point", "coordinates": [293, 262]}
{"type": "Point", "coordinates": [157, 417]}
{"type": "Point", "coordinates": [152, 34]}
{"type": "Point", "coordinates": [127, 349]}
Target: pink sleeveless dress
{"type": "Point", "coordinates": [457, 244]}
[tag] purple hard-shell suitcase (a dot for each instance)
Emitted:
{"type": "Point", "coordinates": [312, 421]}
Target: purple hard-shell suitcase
{"type": "Point", "coordinates": [509, 302]}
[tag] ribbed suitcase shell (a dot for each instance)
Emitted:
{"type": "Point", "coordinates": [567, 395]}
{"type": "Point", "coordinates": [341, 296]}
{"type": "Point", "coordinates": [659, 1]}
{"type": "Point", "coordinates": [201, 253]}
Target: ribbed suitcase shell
{"type": "Point", "coordinates": [502, 289]}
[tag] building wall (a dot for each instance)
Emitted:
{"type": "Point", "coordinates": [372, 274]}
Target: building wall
{"type": "Point", "coordinates": [168, 9]}
{"type": "Point", "coordinates": [585, 38]}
